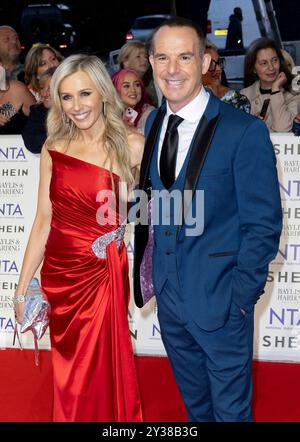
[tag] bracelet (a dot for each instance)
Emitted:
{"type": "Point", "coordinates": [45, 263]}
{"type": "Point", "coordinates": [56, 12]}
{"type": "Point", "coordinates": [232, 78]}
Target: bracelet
{"type": "Point", "coordinates": [19, 299]}
{"type": "Point", "coordinates": [276, 92]}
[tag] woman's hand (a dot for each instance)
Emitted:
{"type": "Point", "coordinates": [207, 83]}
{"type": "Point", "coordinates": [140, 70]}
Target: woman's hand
{"type": "Point", "coordinates": [280, 81]}
{"type": "Point", "coordinates": [19, 309]}
{"type": "Point", "coordinates": [128, 121]}
{"type": "Point", "coordinates": [262, 118]}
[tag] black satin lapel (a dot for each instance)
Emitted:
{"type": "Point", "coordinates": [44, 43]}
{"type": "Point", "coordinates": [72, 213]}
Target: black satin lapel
{"type": "Point", "coordinates": [149, 146]}
{"type": "Point", "coordinates": [200, 147]}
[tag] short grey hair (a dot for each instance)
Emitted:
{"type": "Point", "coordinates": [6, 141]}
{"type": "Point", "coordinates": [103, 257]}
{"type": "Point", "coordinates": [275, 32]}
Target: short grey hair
{"type": "Point", "coordinates": [210, 45]}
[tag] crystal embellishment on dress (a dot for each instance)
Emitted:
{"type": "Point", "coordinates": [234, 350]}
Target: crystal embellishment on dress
{"type": "Point", "coordinates": [100, 244]}
{"type": "Point", "coordinates": [8, 110]}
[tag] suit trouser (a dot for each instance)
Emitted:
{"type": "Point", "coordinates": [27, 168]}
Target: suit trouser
{"type": "Point", "coordinates": [213, 369]}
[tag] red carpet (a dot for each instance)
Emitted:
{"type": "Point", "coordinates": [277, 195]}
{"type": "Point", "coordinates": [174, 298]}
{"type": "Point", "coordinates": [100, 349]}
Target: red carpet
{"type": "Point", "coordinates": [26, 390]}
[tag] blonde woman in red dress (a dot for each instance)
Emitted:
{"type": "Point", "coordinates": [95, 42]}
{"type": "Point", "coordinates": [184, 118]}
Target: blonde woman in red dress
{"type": "Point", "coordinates": [88, 154]}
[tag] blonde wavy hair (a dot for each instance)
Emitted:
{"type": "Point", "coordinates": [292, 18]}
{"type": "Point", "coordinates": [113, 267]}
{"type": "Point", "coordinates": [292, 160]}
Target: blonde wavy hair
{"type": "Point", "coordinates": [130, 48]}
{"type": "Point", "coordinates": [115, 136]}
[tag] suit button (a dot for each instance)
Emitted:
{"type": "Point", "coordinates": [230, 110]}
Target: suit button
{"type": "Point", "coordinates": [169, 253]}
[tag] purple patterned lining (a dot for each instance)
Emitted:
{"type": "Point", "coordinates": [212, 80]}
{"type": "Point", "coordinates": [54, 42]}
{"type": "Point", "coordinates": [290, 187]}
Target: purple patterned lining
{"type": "Point", "coordinates": [146, 265]}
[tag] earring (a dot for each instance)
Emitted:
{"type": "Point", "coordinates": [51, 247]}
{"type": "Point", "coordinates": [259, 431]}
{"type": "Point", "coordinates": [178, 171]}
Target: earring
{"type": "Point", "coordinates": [104, 109]}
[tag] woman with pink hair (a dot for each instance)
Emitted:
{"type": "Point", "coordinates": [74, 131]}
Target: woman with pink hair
{"type": "Point", "coordinates": [133, 94]}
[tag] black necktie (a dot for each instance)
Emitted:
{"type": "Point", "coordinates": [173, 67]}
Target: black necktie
{"type": "Point", "coordinates": [169, 149]}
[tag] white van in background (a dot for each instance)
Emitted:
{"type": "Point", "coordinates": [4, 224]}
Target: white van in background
{"type": "Point", "coordinates": [218, 20]}
{"type": "Point", "coordinates": [256, 23]}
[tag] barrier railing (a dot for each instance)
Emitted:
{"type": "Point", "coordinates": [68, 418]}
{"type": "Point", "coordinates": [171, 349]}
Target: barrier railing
{"type": "Point", "coordinates": [277, 318]}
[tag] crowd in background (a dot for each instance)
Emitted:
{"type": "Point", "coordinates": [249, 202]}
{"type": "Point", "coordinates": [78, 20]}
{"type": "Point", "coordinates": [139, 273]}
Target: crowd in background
{"type": "Point", "coordinates": [24, 104]}
{"type": "Point", "coordinates": [90, 128]}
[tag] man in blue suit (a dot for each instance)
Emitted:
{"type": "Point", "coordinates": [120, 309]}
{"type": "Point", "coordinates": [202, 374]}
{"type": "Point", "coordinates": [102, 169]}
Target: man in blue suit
{"type": "Point", "coordinates": [208, 276]}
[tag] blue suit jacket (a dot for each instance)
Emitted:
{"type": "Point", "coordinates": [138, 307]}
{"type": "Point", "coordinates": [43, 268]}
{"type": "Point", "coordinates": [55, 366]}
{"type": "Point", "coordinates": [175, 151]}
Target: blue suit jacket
{"type": "Point", "coordinates": [229, 261]}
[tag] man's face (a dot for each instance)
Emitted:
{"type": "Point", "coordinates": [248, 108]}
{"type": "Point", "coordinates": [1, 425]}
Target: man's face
{"type": "Point", "coordinates": [10, 46]}
{"type": "Point", "coordinates": [177, 64]}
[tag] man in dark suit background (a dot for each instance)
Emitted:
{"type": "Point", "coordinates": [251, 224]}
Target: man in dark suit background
{"type": "Point", "coordinates": [210, 269]}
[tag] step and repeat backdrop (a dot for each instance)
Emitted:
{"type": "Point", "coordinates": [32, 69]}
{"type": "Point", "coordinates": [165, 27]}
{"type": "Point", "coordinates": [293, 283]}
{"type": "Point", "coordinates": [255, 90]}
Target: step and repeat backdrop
{"type": "Point", "coordinates": [277, 316]}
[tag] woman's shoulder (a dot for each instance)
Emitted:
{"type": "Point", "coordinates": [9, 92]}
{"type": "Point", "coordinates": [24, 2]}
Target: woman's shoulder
{"type": "Point", "coordinates": [148, 107]}
{"type": "Point", "coordinates": [136, 142]}
{"type": "Point", "coordinates": [59, 145]}
{"type": "Point", "coordinates": [18, 86]}
{"type": "Point", "coordinates": [250, 89]}
{"type": "Point", "coordinates": [291, 94]}
{"type": "Point", "coordinates": [47, 151]}
{"type": "Point", "coordinates": [19, 93]}
{"type": "Point", "coordinates": [135, 139]}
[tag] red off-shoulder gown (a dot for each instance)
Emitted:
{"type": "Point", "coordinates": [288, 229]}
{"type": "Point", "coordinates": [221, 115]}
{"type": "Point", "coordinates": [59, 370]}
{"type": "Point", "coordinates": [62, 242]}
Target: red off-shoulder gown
{"type": "Point", "coordinates": [93, 362]}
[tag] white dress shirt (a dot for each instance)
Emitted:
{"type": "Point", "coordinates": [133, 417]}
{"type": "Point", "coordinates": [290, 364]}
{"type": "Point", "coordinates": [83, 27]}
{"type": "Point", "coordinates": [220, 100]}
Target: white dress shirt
{"type": "Point", "coordinates": [191, 114]}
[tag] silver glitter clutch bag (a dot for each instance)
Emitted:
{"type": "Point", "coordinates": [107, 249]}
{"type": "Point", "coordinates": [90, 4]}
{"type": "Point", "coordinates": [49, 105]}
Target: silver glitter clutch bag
{"type": "Point", "coordinates": [36, 314]}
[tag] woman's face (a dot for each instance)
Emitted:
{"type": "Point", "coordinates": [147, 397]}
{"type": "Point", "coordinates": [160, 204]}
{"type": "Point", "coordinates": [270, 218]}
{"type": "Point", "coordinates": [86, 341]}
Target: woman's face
{"type": "Point", "coordinates": [138, 61]}
{"type": "Point", "coordinates": [131, 89]}
{"type": "Point", "coordinates": [81, 101]}
{"type": "Point", "coordinates": [48, 60]}
{"type": "Point", "coordinates": [267, 67]}
{"type": "Point", "coordinates": [214, 73]}
{"type": "Point", "coordinates": [45, 92]}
